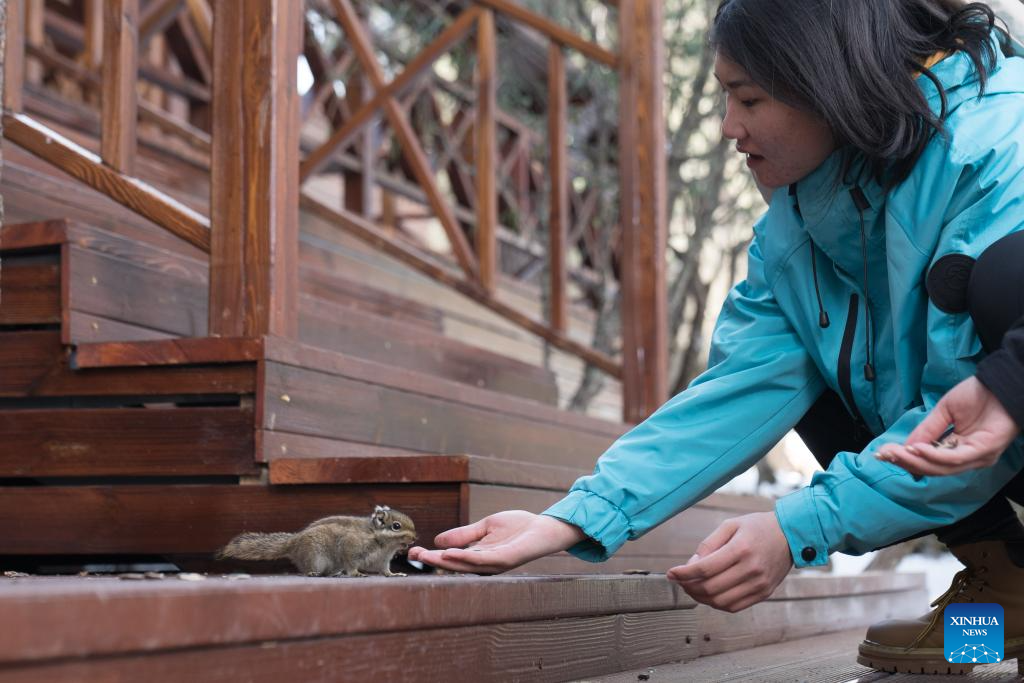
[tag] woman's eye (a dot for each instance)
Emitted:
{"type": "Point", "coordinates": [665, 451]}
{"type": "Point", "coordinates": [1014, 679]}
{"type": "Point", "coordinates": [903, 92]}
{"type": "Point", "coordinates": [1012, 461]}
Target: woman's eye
{"type": "Point", "coordinates": [748, 103]}
{"type": "Point", "coordinates": [396, 526]}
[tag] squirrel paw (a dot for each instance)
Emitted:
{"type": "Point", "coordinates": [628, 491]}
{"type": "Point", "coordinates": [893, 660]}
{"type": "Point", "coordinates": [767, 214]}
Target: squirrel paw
{"type": "Point", "coordinates": [390, 574]}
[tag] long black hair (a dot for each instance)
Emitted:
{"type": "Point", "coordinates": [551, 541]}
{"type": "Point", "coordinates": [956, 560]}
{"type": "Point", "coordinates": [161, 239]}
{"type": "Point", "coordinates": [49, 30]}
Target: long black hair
{"type": "Point", "coordinates": [853, 62]}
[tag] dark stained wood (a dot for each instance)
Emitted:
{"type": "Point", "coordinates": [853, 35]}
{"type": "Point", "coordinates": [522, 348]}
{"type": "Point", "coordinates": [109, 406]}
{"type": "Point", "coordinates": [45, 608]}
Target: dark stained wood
{"type": "Point", "coordinates": [412, 72]}
{"type": "Point", "coordinates": [120, 74]}
{"type": "Point", "coordinates": [35, 364]}
{"type": "Point", "coordinates": [126, 442]}
{"type": "Point", "coordinates": [275, 445]}
{"type": "Point", "coordinates": [553, 31]}
{"type": "Point", "coordinates": [359, 184]}
{"type": "Point", "coordinates": [558, 224]}
{"type": "Point", "coordinates": [34, 35]}
{"type": "Point", "coordinates": [486, 151]}
{"type": "Point", "coordinates": [643, 175]}
{"type": "Point", "coordinates": [88, 329]}
{"type": "Point", "coordinates": [202, 16]}
{"type": "Point", "coordinates": [197, 518]}
{"type": "Point", "coordinates": [14, 54]}
{"type": "Point", "coordinates": [87, 167]}
{"type": "Point", "coordinates": [15, 236]}
{"type": "Point", "coordinates": [203, 350]}
{"type": "Point", "coordinates": [30, 289]}
{"type": "Point", "coordinates": [334, 364]}
{"type": "Point", "coordinates": [254, 195]}
{"type": "Point", "coordinates": [159, 14]}
{"type": "Point", "coordinates": [93, 15]}
{"type": "Point", "coordinates": [555, 650]}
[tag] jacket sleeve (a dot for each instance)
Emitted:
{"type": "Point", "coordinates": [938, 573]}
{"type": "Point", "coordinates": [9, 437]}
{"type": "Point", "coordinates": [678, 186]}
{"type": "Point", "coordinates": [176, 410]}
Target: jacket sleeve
{"type": "Point", "coordinates": [861, 503]}
{"type": "Point", "coordinates": [1003, 373]}
{"type": "Point", "coordinates": [759, 384]}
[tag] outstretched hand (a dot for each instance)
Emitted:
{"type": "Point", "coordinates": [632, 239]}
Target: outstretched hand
{"type": "Point", "coordinates": [983, 430]}
{"type": "Point", "coordinates": [499, 542]}
{"type": "Point", "coordinates": [740, 564]}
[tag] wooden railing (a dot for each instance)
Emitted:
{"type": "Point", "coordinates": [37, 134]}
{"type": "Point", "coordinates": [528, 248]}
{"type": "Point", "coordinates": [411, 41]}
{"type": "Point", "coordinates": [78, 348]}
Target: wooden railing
{"type": "Point", "coordinates": [245, 117]}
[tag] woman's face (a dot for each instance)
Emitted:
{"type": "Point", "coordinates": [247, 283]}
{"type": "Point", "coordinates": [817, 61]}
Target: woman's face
{"type": "Point", "coordinates": [782, 144]}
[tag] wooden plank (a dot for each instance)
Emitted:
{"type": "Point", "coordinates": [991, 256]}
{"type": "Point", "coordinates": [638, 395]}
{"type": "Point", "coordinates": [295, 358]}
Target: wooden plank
{"type": "Point", "coordinates": [415, 69]}
{"type": "Point", "coordinates": [15, 236]}
{"type": "Point", "coordinates": [642, 171]}
{"type": "Point", "coordinates": [254, 189]}
{"type": "Point", "coordinates": [90, 329]}
{"type": "Point", "coordinates": [558, 223]}
{"type": "Point", "coordinates": [555, 650]}
{"type": "Point", "coordinates": [126, 442]}
{"type": "Point", "coordinates": [35, 364]}
{"type": "Point", "coordinates": [98, 616]}
{"type": "Point", "coordinates": [411, 148]}
{"type": "Point", "coordinates": [317, 404]}
{"type": "Point", "coordinates": [30, 289]}
{"type": "Point", "coordinates": [14, 55]}
{"type": "Point", "coordinates": [335, 364]}
{"type": "Point", "coordinates": [553, 31]}
{"type": "Point", "coordinates": [34, 35]}
{"type": "Point", "coordinates": [486, 151]}
{"type": "Point", "coordinates": [420, 469]}
{"type": "Point", "coordinates": [197, 518]}
{"type": "Point", "coordinates": [120, 74]}
{"type": "Point", "coordinates": [54, 148]}
{"type": "Point", "coordinates": [203, 350]}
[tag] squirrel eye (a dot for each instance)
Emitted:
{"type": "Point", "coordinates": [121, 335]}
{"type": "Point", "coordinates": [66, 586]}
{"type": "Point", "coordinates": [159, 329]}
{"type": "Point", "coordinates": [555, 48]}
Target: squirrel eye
{"type": "Point", "coordinates": [396, 526]}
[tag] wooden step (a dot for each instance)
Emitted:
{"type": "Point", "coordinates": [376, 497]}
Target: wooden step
{"type": "Point", "coordinates": [117, 289]}
{"type": "Point", "coordinates": [443, 628]}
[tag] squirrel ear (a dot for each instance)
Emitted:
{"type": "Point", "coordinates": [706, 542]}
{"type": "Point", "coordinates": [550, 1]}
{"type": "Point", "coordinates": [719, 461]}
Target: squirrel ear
{"type": "Point", "coordinates": [378, 516]}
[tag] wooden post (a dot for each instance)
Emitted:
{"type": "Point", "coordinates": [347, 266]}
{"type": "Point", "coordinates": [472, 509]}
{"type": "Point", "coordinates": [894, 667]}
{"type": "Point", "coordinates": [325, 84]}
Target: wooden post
{"type": "Point", "coordinates": [359, 184]}
{"type": "Point", "coordinates": [14, 54]}
{"type": "Point", "coordinates": [644, 230]}
{"type": "Point", "coordinates": [255, 182]}
{"type": "Point", "coordinates": [486, 151]}
{"type": "Point", "coordinates": [558, 142]}
{"type": "Point", "coordinates": [35, 12]}
{"type": "Point", "coordinates": [120, 75]}
{"type": "Point", "coordinates": [93, 53]}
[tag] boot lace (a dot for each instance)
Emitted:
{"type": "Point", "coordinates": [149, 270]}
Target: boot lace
{"type": "Point", "coordinates": [963, 582]}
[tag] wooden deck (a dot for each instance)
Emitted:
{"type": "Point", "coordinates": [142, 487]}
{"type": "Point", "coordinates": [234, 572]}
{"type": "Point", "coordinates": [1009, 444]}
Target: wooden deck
{"type": "Point", "coordinates": [453, 628]}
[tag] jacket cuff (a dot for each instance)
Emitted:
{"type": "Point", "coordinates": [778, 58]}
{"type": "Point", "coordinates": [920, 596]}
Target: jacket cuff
{"type": "Point", "coordinates": [799, 522]}
{"type": "Point", "coordinates": [606, 526]}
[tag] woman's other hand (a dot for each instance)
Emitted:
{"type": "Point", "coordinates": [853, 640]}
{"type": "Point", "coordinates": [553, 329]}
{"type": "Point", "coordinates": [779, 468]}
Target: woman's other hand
{"type": "Point", "coordinates": [983, 430]}
{"type": "Point", "coordinates": [499, 542]}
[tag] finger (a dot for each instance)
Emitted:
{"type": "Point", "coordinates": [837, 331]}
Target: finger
{"type": "Point", "coordinates": [954, 460]}
{"type": "Point", "coordinates": [705, 568]}
{"type": "Point", "coordinates": [462, 536]}
{"type": "Point", "coordinates": [435, 558]}
{"type": "Point", "coordinates": [501, 557]}
{"type": "Point", "coordinates": [738, 575]}
{"type": "Point", "coordinates": [694, 569]}
{"type": "Point", "coordinates": [919, 466]}
{"type": "Point", "coordinates": [932, 426]}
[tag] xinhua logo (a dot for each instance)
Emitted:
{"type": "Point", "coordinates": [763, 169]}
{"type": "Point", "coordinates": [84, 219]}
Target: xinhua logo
{"type": "Point", "coordinates": [973, 633]}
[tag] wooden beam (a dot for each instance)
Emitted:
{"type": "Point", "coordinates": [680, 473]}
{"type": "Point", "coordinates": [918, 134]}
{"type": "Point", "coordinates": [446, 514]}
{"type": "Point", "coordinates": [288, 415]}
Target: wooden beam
{"type": "Point", "coordinates": [157, 17]}
{"type": "Point", "coordinates": [93, 53]}
{"type": "Point", "coordinates": [416, 68]}
{"type": "Point", "coordinates": [202, 17]}
{"type": "Point", "coordinates": [487, 151]}
{"type": "Point", "coordinates": [558, 144]}
{"type": "Point", "coordinates": [35, 14]}
{"type": "Point", "coordinates": [254, 180]}
{"type": "Point", "coordinates": [87, 167]}
{"type": "Point", "coordinates": [14, 55]}
{"type": "Point", "coordinates": [407, 140]}
{"type": "Point", "coordinates": [359, 184]}
{"type": "Point", "coordinates": [643, 177]}
{"type": "Point", "coordinates": [552, 30]}
{"type": "Point", "coordinates": [120, 75]}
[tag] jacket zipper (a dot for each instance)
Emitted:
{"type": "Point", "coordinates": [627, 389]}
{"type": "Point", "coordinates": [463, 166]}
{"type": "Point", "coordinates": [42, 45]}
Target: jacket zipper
{"type": "Point", "coordinates": [845, 354]}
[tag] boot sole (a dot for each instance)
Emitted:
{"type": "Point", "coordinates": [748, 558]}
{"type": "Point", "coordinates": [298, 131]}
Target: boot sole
{"type": "Point", "coordinates": [923, 660]}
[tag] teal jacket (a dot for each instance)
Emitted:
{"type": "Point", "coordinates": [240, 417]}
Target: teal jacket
{"type": "Point", "coordinates": [770, 359]}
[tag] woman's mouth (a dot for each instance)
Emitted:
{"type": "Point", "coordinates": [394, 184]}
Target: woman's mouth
{"type": "Point", "coordinates": [753, 160]}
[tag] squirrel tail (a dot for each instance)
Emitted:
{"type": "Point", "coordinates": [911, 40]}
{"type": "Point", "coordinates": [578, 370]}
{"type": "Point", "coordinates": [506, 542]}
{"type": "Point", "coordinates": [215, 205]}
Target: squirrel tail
{"type": "Point", "coordinates": [255, 546]}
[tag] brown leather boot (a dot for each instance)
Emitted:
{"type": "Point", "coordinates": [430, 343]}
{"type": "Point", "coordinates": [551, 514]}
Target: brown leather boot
{"type": "Point", "coordinates": [916, 645]}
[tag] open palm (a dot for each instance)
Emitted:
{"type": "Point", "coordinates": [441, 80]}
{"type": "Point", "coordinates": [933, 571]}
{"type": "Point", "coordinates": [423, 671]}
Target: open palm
{"type": "Point", "coordinates": [499, 542]}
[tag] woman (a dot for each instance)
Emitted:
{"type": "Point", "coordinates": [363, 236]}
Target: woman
{"type": "Point", "coordinates": [890, 133]}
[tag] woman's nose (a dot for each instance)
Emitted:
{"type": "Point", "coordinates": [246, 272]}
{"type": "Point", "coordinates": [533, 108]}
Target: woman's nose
{"type": "Point", "coordinates": [732, 128]}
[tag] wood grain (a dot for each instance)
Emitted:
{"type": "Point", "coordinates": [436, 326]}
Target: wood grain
{"type": "Point", "coordinates": [14, 55]}
{"type": "Point", "coordinates": [126, 442]}
{"type": "Point", "coordinates": [486, 151]}
{"type": "Point", "coordinates": [558, 222]}
{"type": "Point", "coordinates": [120, 74]}
{"type": "Point", "coordinates": [30, 289]}
{"type": "Point", "coordinates": [254, 189]}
